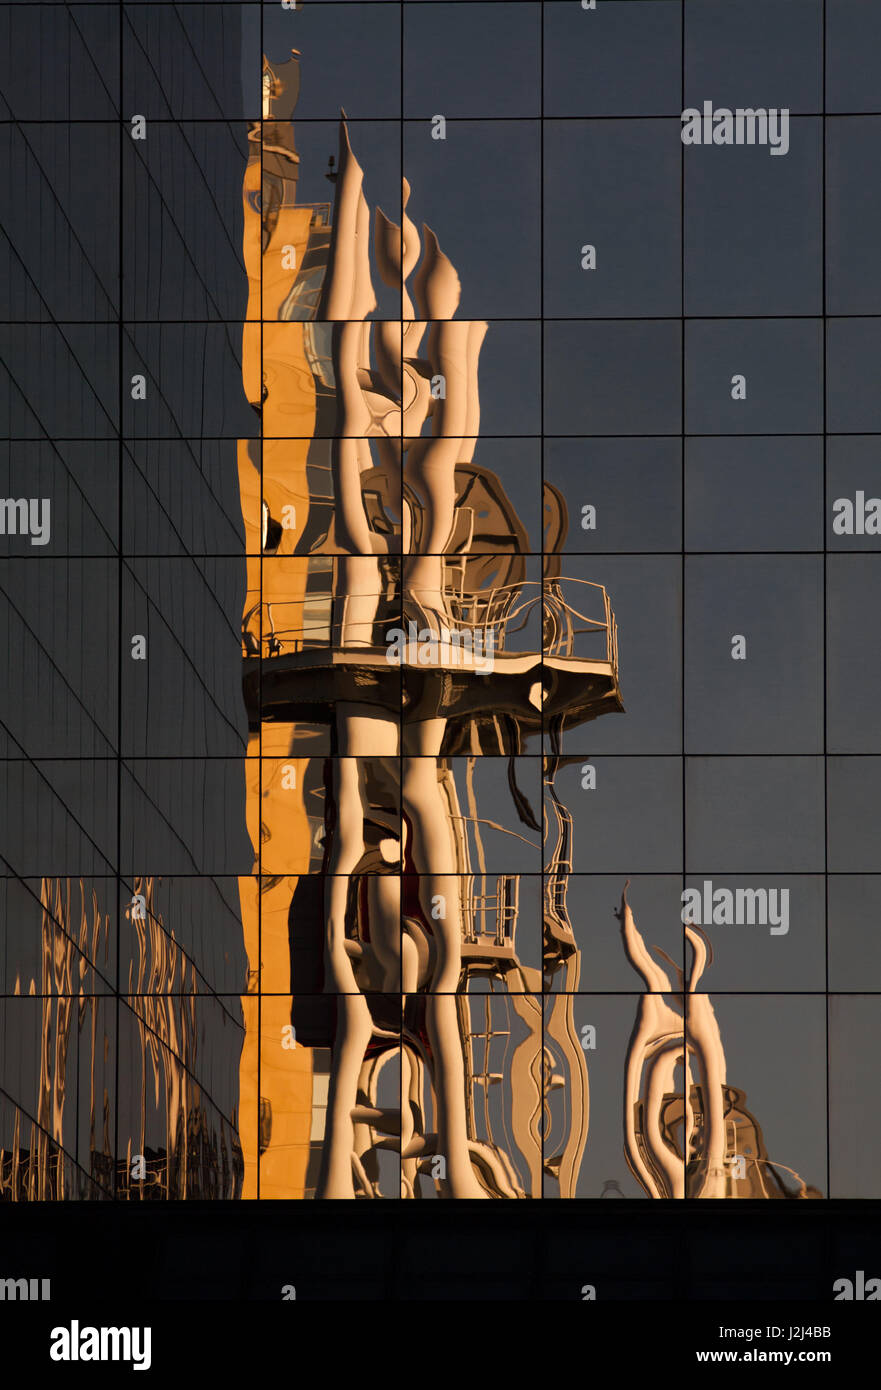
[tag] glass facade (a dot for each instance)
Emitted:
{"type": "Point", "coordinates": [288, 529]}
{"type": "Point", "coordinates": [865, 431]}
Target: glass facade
{"type": "Point", "coordinates": [438, 578]}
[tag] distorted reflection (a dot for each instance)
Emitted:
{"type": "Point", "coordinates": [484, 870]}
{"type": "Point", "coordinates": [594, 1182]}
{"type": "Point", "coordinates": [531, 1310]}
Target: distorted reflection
{"type": "Point", "coordinates": [688, 1132]}
{"type": "Point", "coordinates": [399, 635]}
{"type": "Point", "coordinates": [401, 1023]}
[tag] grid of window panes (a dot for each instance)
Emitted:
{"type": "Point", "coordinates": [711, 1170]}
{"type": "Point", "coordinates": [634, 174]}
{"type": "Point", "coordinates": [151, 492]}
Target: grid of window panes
{"type": "Point", "coordinates": [683, 342]}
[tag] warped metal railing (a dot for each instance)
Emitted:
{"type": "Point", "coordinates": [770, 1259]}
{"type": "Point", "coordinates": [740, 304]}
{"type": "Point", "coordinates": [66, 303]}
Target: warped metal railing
{"type": "Point", "coordinates": [332, 615]}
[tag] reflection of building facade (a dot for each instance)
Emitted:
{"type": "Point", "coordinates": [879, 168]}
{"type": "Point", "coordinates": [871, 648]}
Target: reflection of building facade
{"type": "Point", "coordinates": [405, 1025]}
{"type": "Point", "coordinates": [694, 1138]}
{"type": "Point", "coordinates": [112, 1097]}
{"type": "Point", "coordinates": [397, 638]}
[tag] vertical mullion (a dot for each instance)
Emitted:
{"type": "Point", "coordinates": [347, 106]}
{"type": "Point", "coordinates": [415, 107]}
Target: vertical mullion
{"type": "Point", "coordinates": [682, 579]}
{"type": "Point", "coordinates": [119, 575]}
{"type": "Point", "coordinates": [261, 417]}
{"type": "Point", "coordinates": [541, 537]}
{"type": "Point", "coordinates": [825, 613]}
{"type": "Point", "coordinates": [401, 579]}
